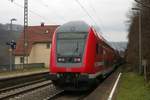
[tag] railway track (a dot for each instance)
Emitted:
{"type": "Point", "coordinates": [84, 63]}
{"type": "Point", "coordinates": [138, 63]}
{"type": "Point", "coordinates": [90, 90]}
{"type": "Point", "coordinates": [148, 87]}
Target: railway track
{"type": "Point", "coordinates": [28, 87]}
{"type": "Point", "coordinates": [19, 86]}
{"type": "Point", "coordinates": [40, 89]}
{"type": "Point", "coordinates": [16, 81]}
{"type": "Point", "coordinates": [44, 91]}
{"type": "Point", "coordinates": [55, 93]}
{"type": "Point", "coordinates": [84, 95]}
{"type": "Point", "coordinates": [25, 92]}
{"type": "Point", "coordinates": [14, 86]}
{"type": "Point", "coordinates": [10, 93]}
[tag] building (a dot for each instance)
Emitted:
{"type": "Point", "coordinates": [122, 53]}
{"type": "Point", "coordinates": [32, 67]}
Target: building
{"type": "Point", "coordinates": [38, 46]}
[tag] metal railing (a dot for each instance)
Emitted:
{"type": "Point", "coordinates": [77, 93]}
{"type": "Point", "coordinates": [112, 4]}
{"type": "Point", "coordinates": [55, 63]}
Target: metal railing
{"type": "Point", "coordinates": [6, 67]}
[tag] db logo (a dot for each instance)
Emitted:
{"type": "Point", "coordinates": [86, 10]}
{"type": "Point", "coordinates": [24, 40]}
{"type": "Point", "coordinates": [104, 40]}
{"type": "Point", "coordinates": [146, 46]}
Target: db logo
{"type": "Point", "coordinates": [68, 70]}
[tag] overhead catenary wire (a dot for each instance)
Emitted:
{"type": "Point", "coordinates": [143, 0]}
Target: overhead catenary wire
{"type": "Point", "coordinates": [47, 6]}
{"type": "Point", "coordinates": [61, 17]}
{"type": "Point", "coordinates": [29, 10]}
{"type": "Point", "coordinates": [84, 9]}
{"type": "Point", "coordinates": [98, 18]}
{"type": "Point", "coordinates": [94, 11]}
{"type": "Point", "coordinates": [86, 12]}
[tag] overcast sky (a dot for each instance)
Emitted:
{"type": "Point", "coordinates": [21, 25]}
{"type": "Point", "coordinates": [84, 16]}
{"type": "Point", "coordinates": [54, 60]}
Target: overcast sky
{"type": "Point", "coordinates": [109, 15]}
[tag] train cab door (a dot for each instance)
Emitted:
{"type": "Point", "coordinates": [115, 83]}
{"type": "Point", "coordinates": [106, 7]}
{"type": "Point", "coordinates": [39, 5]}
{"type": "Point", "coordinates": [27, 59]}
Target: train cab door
{"type": "Point", "coordinates": [104, 57]}
{"type": "Point", "coordinates": [99, 57]}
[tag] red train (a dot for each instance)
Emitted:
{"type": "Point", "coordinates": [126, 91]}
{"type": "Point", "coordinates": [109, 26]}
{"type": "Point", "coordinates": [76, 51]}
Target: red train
{"type": "Point", "coordinates": [79, 56]}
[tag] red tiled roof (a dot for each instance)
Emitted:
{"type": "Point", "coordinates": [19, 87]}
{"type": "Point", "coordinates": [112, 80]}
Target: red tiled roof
{"type": "Point", "coordinates": [35, 34]}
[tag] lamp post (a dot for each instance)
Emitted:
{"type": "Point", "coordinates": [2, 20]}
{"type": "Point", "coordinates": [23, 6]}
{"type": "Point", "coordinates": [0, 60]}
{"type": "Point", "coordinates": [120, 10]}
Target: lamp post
{"type": "Point", "coordinates": [11, 20]}
{"type": "Point", "coordinates": [140, 39]}
{"type": "Point", "coordinates": [11, 61]}
{"type": "Point", "coordinates": [25, 44]}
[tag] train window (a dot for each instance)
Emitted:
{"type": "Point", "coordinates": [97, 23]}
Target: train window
{"type": "Point", "coordinates": [71, 35]}
{"type": "Point", "coordinates": [100, 50]}
{"type": "Point", "coordinates": [70, 44]}
{"type": "Point", "coordinates": [104, 52]}
{"type": "Point", "coordinates": [97, 48]}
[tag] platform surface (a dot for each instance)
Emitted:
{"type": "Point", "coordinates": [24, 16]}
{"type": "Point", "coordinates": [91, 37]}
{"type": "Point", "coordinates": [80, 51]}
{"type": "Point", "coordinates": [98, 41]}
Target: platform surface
{"type": "Point", "coordinates": [103, 90]}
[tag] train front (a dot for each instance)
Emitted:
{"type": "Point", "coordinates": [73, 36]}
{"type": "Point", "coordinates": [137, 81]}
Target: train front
{"type": "Point", "coordinates": [68, 55]}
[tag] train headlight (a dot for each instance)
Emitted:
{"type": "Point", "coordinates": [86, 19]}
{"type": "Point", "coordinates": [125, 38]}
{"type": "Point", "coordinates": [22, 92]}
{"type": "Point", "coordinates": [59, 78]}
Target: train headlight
{"type": "Point", "coordinates": [60, 59]}
{"type": "Point", "coordinates": [77, 59]}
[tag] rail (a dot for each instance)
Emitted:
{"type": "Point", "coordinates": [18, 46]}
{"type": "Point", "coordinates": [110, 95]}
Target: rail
{"type": "Point", "coordinates": [13, 81]}
{"type": "Point", "coordinates": [17, 91]}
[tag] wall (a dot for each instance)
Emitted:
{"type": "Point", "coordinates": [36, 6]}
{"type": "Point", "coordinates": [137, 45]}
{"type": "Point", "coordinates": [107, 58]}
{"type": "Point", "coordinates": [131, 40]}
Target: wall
{"type": "Point", "coordinates": [39, 54]}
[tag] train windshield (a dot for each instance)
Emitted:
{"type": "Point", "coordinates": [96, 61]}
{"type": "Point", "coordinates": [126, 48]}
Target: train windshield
{"type": "Point", "coordinates": [70, 44]}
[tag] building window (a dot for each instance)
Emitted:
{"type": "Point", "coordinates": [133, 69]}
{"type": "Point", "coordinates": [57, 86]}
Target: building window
{"type": "Point", "coordinates": [26, 44]}
{"type": "Point", "coordinates": [48, 45]}
{"type": "Point", "coordinates": [46, 32]}
{"type": "Point", "coordinates": [21, 59]}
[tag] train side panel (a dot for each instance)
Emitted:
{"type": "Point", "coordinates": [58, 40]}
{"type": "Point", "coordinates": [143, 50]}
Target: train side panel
{"type": "Point", "coordinates": [89, 58]}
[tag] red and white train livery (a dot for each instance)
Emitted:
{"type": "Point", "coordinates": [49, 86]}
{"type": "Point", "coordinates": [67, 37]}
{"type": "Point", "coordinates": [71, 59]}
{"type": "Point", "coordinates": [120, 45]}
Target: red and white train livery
{"type": "Point", "coordinates": [79, 56]}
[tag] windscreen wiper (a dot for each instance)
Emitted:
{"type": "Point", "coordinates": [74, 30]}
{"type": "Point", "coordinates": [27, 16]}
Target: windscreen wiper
{"type": "Point", "coordinates": [76, 49]}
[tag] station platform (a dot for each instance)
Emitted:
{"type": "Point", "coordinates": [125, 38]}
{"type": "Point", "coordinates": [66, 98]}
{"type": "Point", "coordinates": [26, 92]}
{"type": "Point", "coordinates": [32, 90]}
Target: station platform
{"type": "Point", "coordinates": [22, 72]}
{"type": "Point", "coordinates": [103, 91]}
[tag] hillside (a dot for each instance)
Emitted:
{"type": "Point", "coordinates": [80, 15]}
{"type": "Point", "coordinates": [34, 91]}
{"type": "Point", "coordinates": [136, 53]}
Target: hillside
{"type": "Point", "coordinates": [121, 46]}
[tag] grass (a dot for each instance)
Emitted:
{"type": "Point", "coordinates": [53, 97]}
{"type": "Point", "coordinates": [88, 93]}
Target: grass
{"type": "Point", "coordinates": [133, 87]}
{"type": "Point", "coordinates": [6, 73]}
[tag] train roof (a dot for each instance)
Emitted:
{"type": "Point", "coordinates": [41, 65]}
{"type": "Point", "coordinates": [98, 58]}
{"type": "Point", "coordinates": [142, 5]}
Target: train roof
{"type": "Point", "coordinates": [74, 26]}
